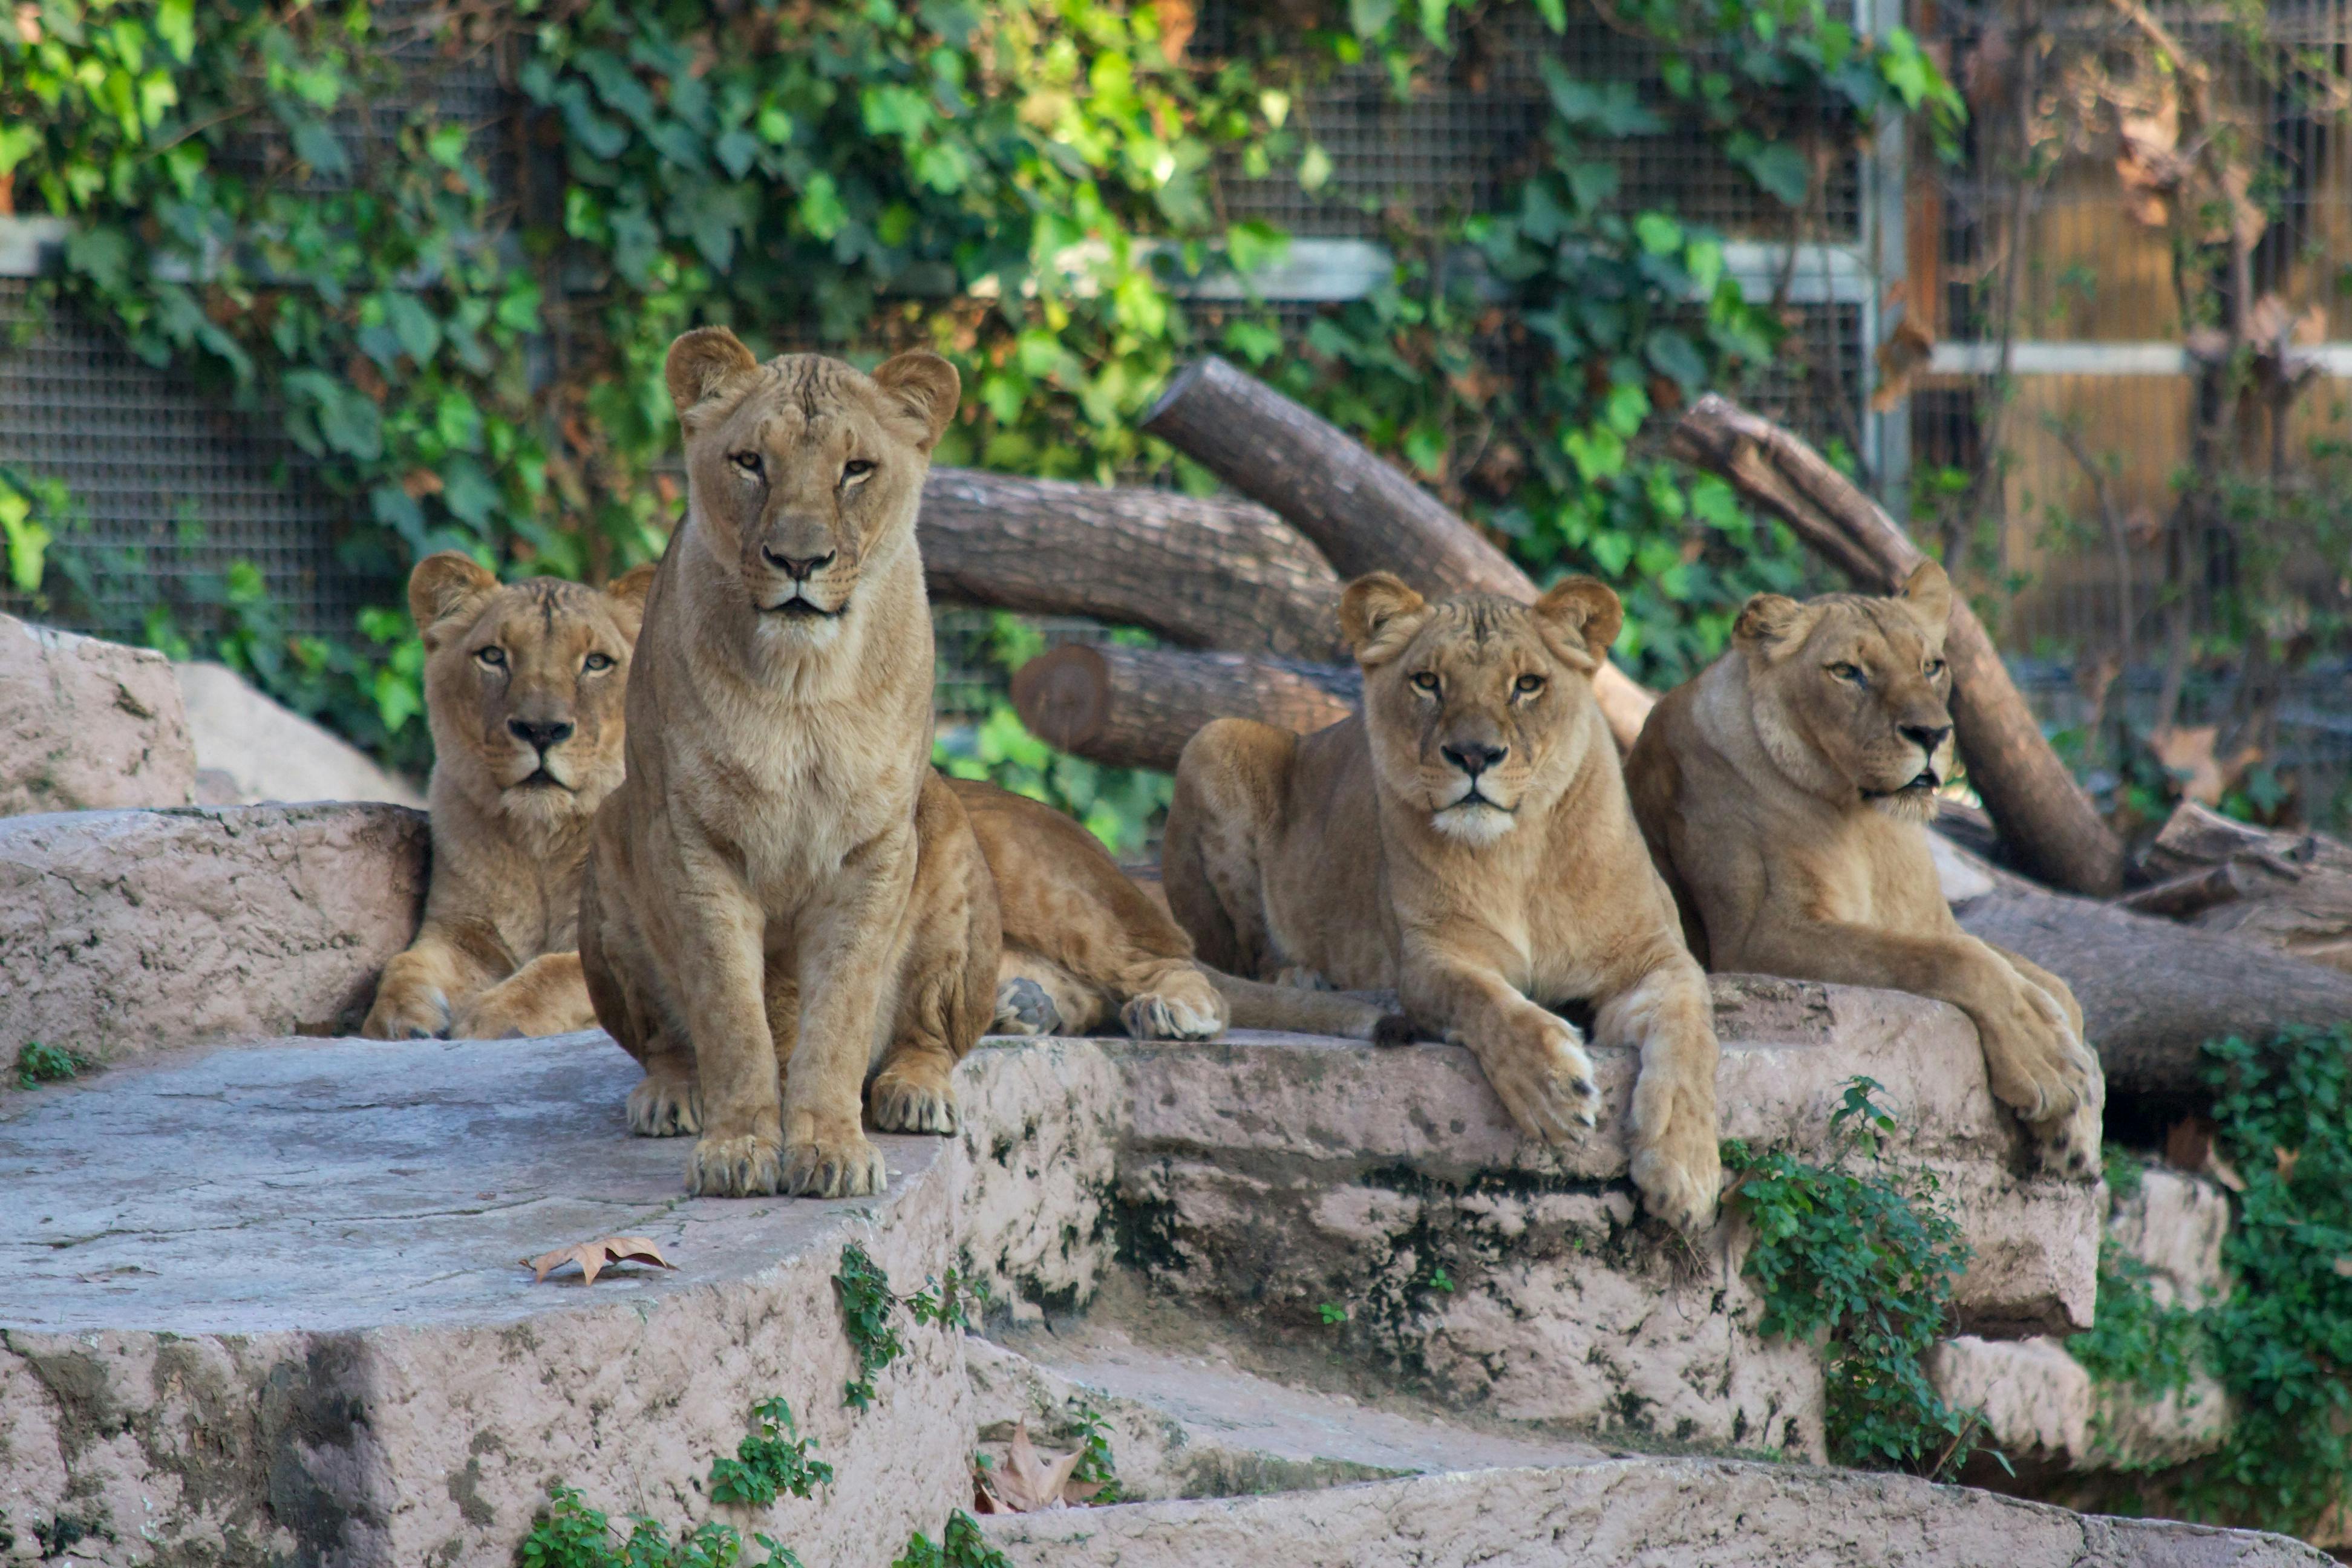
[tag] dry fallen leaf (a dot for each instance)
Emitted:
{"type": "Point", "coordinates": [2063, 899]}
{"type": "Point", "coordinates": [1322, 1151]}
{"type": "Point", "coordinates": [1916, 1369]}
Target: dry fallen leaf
{"type": "Point", "coordinates": [592, 1257]}
{"type": "Point", "coordinates": [2222, 1171]}
{"type": "Point", "coordinates": [1027, 1485]}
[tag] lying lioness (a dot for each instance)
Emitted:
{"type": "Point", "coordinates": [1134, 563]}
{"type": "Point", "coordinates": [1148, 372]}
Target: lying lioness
{"type": "Point", "coordinates": [783, 887]}
{"type": "Point", "coordinates": [1783, 793]}
{"type": "Point", "coordinates": [1466, 840]}
{"type": "Point", "coordinates": [523, 693]}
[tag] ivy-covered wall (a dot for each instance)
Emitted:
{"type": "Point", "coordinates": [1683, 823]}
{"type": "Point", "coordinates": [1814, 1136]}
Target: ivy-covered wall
{"type": "Point", "coordinates": [459, 317]}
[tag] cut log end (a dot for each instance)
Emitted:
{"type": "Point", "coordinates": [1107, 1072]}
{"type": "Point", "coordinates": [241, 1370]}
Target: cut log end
{"type": "Point", "coordinates": [1063, 696]}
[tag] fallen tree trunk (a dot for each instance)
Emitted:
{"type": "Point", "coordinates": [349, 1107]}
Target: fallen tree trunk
{"type": "Point", "coordinates": [1363, 514]}
{"type": "Point", "coordinates": [1135, 707]}
{"type": "Point", "coordinates": [2154, 992]}
{"type": "Point", "coordinates": [2048, 823]}
{"type": "Point", "coordinates": [2290, 891]}
{"type": "Point", "coordinates": [1201, 572]}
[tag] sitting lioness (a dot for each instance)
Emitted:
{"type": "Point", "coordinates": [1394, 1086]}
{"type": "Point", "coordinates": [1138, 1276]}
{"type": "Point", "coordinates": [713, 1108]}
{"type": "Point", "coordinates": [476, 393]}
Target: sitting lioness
{"type": "Point", "coordinates": [1784, 791]}
{"type": "Point", "coordinates": [523, 693]}
{"type": "Point", "coordinates": [785, 898]}
{"type": "Point", "coordinates": [1466, 840]}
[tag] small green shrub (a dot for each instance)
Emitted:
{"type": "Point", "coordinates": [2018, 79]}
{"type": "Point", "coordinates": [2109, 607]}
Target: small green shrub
{"type": "Point", "coordinates": [868, 1304]}
{"type": "Point", "coordinates": [961, 1545]}
{"type": "Point", "coordinates": [568, 1533]}
{"type": "Point", "coordinates": [1861, 1256]}
{"type": "Point", "coordinates": [1095, 1459]}
{"type": "Point", "coordinates": [37, 1064]}
{"type": "Point", "coordinates": [770, 1461]}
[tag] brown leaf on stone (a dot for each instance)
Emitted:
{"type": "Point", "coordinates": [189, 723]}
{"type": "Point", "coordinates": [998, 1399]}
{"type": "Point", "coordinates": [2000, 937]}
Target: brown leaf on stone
{"type": "Point", "coordinates": [1901, 358]}
{"type": "Point", "coordinates": [593, 1255]}
{"type": "Point", "coordinates": [1027, 1484]}
{"type": "Point", "coordinates": [2222, 1170]}
{"type": "Point", "coordinates": [2286, 1159]}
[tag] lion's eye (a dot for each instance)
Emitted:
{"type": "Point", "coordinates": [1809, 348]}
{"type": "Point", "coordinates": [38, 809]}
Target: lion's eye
{"type": "Point", "coordinates": [1934, 667]}
{"type": "Point", "coordinates": [1847, 672]}
{"type": "Point", "coordinates": [1426, 681]}
{"type": "Point", "coordinates": [748, 462]}
{"type": "Point", "coordinates": [1527, 685]}
{"type": "Point", "coordinates": [493, 656]}
{"type": "Point", "coordinates": [855, 469]}
{"type": "Point", "coordinates": [597, 662]}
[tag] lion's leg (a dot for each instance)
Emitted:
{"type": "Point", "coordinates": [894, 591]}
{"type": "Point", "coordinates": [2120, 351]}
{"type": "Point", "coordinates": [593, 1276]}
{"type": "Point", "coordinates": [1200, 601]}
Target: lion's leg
{"type": "Point", "coordinates": [2069, 1144]}
{"type": "Point", "coordinates": [950, 989]}
{"type": "Point", "coordinates": [1668, 1017]}
{"type": "Point", "coordinates": [546, 997]}
{"type": "Point", "coordinates": [1035, 995]}
{"type": "Point", "coordinates": [615, 970]}
{"type": "Point", "coordinates": [1229, 790]}
{"type": "Point", "coordinates": [1534, 1059]}
{"type": "Point", "coordinates": [424, 986]}
{"type": "Point", "coordinates": [717, 962]}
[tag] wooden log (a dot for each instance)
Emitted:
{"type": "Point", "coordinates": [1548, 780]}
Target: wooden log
{"type": "Point", "coordinates": [1363, 514]}
{"type": "Point", "coordinates": [1135, 707]}
{"type": "Point", "coordinates": [2295, 890]}
{"type": "Point", "coordinates": [2154, 992]}
{"type": "Point", "coordinates": [1212, 573]}
{"type": "Point", "coordinates": [2050, 826]}
{"type": "Point", "coordinates": [2184, 897]}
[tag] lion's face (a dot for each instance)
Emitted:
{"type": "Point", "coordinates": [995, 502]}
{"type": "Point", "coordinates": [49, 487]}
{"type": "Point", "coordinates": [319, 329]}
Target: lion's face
{"type": "Point", "coordinates": [1471, 703]}
{"type": "Point", "coordinates": [524, 685]}
{"type": "Point", "coordinates": [804, 472]}
{"type": "Point", "coordinates": [1851, 692]}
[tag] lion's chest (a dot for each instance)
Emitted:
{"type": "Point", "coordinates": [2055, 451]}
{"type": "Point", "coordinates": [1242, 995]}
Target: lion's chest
{"type": "Point", "coordinates": [804, 804]}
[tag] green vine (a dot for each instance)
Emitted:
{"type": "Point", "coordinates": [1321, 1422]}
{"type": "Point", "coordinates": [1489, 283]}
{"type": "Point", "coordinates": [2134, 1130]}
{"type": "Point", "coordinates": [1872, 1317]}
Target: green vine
{"type": "Point", "coordinates": [772, 1460]}
{"type": "Point", "coordinates": [868, 1304]}
{"type": "Point", "coordinates": [1860, 1257]}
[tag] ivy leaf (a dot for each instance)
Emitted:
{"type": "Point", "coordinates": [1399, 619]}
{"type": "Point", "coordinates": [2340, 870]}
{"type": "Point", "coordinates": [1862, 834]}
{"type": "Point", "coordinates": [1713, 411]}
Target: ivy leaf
{"type": "Point", "coordinates": [412, 324]}
{"type": "Point", "coordinates": [820, 209]}
{"type": "Point", "coordinates": [1371, 18]}
{"type": "Point", "coordinates": [1777, 166]}
{"type": "Point", "coordinates": [317, 144]}
{"type": "Point", "coordinates": [735, 150]}
{"type": "Point", "coordinates": [1612, 109]}
{"type": "Point", "coordinates": [1674, 355]}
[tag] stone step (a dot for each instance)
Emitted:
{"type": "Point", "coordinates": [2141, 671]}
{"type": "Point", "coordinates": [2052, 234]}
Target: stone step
{"type": "Point", "coordinates": [1627, 1513]}
{"type": "Point", "coordinates": [1200, 1422]}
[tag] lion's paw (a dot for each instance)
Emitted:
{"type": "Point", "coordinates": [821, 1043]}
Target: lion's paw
{"type": "Point", "coordinates": [746, 1165]}
{"type": "Point", "coordinates": [1184, 1007]}
{"type": "Point", "coordinates": [1025, 1007]}
{"type": "Point", "coordinates": [1545, 1080]}
{"type": "Point", "coordinates": [1679, 1176]}
{"type": "Point", "coordinates": [666, 1105]}
{"type": "Point", "coordinates": [2068, 1145]}
{"type": "Point", "coordinates": [913, 1097]}
{"type": "Point", "coordinates": [408, 1013]}
{"type": "Point", "coordinates": [848, 1167]}
{"type": "Point", "coordinates": [2036, 1063]}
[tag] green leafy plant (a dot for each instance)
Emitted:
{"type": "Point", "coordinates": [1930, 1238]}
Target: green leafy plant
{"type": "Point", "coordinates": [1860, 1256]}
{"type": "Point", "coordinates": [568, 1533]}
{"type": "Point", "coordinates": [1331, 1312]}
{"type": "Point", "coordinates": [961, 1545]}
{"type": "Point", "coordinates": [770, 1461]}
{"type": "Point", "coordinates": [868, 1306]}
{"type": "Point", "coordinates": [37, 1064]}
{"type": "Point", "coordinates": [1095, 1463]}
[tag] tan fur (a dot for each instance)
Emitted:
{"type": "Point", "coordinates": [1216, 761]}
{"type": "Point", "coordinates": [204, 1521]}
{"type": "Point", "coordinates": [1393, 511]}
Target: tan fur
{"type": "Point", "coordinates": [1357, 855]}
{"type": "Point", "coordinates": [1783, 791]}
{"type": "Point", "coordinates": [495, 954]}
{"type": "Point", "coordinates": [782, 900]}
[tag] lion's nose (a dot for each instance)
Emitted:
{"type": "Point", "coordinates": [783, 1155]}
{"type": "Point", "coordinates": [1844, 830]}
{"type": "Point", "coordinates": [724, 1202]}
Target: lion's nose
{"type": "Point", "coordinates": [539, 735]}
{"type": "Point", "coordinates": [796, 567]}
{"type": "Point", "coordinates": [1927, 737]}
{"type": "Point", "coordinates": [1474, 757]}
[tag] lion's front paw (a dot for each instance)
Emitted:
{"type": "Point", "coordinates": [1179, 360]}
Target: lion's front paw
{"type": "Point", "coordinates": [1545, 1080]}
{"type": "Point", "coordinates": [2068, 1145]}
{"type": "Point", "coordinates": [1025, 1007]}
{"type": "Point", "coordinates": [406, 1013]}
{"type": "Point", "coordinates": [743, 1166]}
{"type": "Point", "coordinates": [1183, 1007]}
{"type": "Point", "coordinates": [913, 1095]}
{"type": "Point", "coordinates": [839, 1167]}
{"type": "Point", "coordinates": [2036, 1064]}
{"type": "Point", "coordinates": [667, 1104]}
{"type": "Point", "coordinates": [1679, 1172]}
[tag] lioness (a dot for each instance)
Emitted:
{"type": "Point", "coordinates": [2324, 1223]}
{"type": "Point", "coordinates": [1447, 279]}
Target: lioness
{"type": "Point", "coordinates": [784, 885]}
{"type": "Point", "coordinates": [523, 693]}
{"type": "Point", "coordinates": [1466, 840]}
{"type": "Point", "coordinates": [1784, 791]}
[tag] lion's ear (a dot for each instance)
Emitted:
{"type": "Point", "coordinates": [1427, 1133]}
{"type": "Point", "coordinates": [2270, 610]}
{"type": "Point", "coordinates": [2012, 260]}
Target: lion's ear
{"type": "Point", "coordinates": [1766, 623]}
{"type": "Point", "coordinates": [700, 365]}
{"type": "Point", "coordinates": [1929, 593]}
{"type": "Point", "coordinates": [444, 587]}
{"type": "Point", "coordinates": [1579, 618]}
{"type": "Point", "coordinates": [926, 386]}
{"type": "Point", "coordinates": [1378, 615]}
{"type": "Point", "coordinates": [628, 593]}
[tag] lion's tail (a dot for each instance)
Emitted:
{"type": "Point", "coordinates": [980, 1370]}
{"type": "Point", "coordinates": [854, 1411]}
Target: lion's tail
{"type": "Point", "coordinates": [1348, 1015]}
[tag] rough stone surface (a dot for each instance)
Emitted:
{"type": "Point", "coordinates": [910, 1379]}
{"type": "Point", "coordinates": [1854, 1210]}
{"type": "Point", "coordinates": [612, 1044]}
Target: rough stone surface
{"type": "Point", "coordinates": [2042, 1410]}
{"type": "Point", "coordinates": [122, 931]}
{"type": "Point", "coordinates": [1267, 1177]}
{"type": "Point", "coordinates": [88, 725]}
{"type": "Point", "coordinates": [261, 1303]}
{"type": "Point", "coordinates": [1627, 1513]}
{"type": "Point", "coordinates": [263, 751]}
